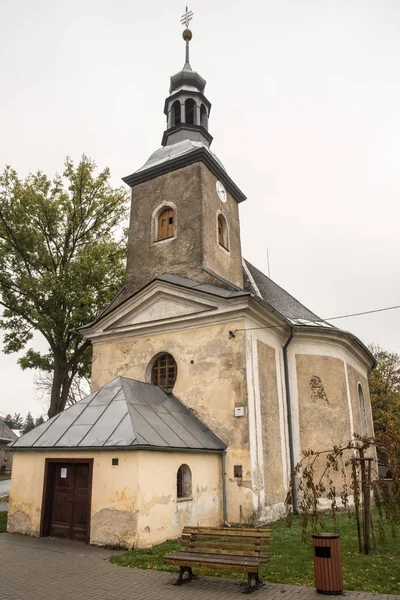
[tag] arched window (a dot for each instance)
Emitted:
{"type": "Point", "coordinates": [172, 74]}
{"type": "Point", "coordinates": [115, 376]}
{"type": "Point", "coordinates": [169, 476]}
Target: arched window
{"type": "Point", "coordinates": [190, 108]}
{"type": "Point", "coordinates": [222, 232]}
{"type": "Point", "coordinates": [165, 224]}
{"type": "Point", "coordinates": [363, 413]}
{"type": "Point", "coordinates": [164, 371]}
{"type": "Point", "coordinates": [176, 113]}
{"type": "Point", "coordinates": [203, 117]}
{"type": "Point", "coordinates": [184, 482]}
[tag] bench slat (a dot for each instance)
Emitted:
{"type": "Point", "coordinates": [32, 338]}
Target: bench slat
{"type": "Point", "coordinates": [250, 533]}
{"type": "Point", "coordinates": [238, 553]}
{"type": "Point", "coordinates": [204, 562]}
{"type": "Point", "coordinates": [203, 547]}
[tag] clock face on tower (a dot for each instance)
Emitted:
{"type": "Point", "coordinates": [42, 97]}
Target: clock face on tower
{"type": "Point", "coordinates": [221, 191]}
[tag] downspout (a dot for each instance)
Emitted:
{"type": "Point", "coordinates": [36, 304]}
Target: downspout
{"type": "Point", "coordinates": [224, 511]}
{"type": "Point", "coordinates": [289, 421]}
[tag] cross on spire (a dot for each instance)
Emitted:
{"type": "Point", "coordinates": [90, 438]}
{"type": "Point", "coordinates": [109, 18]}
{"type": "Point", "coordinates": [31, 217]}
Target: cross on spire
{"type": "Point", "coordinates": [186, 18]}
{"type": "Point", "coordinates": [187, 36]}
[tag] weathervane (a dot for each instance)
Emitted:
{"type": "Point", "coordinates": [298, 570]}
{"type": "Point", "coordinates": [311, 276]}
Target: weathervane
{"type": "Point", "coordinates": [187, 35]}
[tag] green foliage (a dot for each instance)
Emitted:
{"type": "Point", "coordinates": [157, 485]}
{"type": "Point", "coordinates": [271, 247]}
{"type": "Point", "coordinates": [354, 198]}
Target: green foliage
{"type": "Point", "coordinates": [384, 386]}
{"type": "Point", "coordinates": [29, 423]}
{"type": "Point", "coordinates": [61, 262]}
{"type": "Point", "coordinates": [292, 562]}
{"type": "Point", "coordinates": [3, 521]}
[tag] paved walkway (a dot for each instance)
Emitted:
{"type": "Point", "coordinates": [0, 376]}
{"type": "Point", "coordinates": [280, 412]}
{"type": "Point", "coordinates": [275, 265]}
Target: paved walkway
{"type": "Point", "coordinates": [5, 487]}
{"type": "Point", "coordinates": [48, 569]}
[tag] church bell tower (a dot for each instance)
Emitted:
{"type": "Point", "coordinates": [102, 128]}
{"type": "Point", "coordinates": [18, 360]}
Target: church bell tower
{"type": "Point", "coordinates": [184, 208]}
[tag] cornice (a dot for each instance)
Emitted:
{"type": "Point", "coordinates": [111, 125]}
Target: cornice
{"type": "Point", "coordinates": [199, 155]}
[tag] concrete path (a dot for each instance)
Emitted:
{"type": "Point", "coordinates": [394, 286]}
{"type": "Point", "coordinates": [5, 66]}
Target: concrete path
{"type": "Point", "coordinates": [5, 487]}
{"type": "Point", "coordinates": [48, 569]}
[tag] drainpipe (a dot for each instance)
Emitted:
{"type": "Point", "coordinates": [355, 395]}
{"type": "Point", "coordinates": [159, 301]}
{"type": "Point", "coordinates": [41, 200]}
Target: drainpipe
{"type": "Point", "coordinates": [289, 421]}
{"type": "Point", "coordinates": [224, 511]}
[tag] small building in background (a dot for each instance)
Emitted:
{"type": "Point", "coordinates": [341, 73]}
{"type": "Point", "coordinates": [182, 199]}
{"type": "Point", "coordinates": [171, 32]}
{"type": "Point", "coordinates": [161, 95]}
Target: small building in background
{"type": "Point", "coordinates": [6, 454]}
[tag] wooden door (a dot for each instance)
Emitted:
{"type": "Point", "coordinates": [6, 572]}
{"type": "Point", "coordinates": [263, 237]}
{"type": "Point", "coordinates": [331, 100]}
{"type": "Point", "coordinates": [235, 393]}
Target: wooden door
{"type": "Point", "coordinates": [70, 500]}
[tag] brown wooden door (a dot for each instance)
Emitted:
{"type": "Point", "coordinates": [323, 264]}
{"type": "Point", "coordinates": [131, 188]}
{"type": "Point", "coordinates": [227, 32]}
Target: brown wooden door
{"type": "Point", "coordinates": [70, 501]}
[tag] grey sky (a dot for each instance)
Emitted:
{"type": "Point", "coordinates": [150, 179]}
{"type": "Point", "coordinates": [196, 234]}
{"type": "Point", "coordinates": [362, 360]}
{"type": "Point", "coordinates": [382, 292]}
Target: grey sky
{"type": "Point", "coordinates": [305, 119]}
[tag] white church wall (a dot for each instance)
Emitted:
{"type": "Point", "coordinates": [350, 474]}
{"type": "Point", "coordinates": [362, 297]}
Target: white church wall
{"type": "Point", "coordinates": [267, 421]}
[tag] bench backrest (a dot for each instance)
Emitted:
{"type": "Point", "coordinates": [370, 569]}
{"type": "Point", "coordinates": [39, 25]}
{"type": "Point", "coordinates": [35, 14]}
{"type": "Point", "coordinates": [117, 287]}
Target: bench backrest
{"type": "Point", "coordinates": [254, 543]}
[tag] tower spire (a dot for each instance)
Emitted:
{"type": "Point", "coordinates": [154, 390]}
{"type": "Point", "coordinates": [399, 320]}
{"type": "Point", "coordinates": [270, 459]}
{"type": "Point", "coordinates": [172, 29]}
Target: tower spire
{"type": "Point", "coordinates": [187, 36]}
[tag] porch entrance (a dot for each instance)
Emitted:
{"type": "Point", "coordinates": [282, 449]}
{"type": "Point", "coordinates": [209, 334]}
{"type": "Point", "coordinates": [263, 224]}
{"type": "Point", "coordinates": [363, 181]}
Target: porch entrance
{"type": "Point", "coordinates": [67, 496]}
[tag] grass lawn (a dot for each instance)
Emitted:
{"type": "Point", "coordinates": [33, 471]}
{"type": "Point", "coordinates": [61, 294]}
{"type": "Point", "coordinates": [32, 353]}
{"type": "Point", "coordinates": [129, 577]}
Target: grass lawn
{"type": "Point", "coordinates": [4, 477]}
{"type": "Point", "coordinates": [291, 560]}
{"type": "Point", "coordinates": [3, 521]}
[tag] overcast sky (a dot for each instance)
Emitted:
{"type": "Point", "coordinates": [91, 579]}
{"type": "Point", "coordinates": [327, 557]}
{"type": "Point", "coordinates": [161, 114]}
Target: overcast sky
{"type": "Point", "coordinates": [305, 118]}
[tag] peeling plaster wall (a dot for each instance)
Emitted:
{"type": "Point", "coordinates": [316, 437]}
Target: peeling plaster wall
{"type": "Point", "coordinates": [267, 422]}
{"type": "Point", "coordinates": [25, 503]}
{"type": "Point", "coordinates": [273, 476]}
{"type": "Point", "coordinates": [133, 504]}
{"type": "Point", "coordinates": [324, 392]}
{"type": "Point", "coordinates": [192, 191]}
{"type": "Point", "coordinates": [161, 515]}
{"type": "Point", "coordinates": [211, 380]}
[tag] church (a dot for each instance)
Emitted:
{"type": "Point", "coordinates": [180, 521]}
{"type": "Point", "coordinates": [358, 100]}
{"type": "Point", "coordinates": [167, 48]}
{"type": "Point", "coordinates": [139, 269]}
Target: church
{"type": "Point", "coordinates": [208, 379]}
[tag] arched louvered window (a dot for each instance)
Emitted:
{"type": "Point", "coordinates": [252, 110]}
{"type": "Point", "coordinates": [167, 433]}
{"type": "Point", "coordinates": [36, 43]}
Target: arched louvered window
{"type": "Point", "coordinates": [184, 482]}
{"type": "Point", "coordinates": [190, 109]}
{"type": "Point", "coordinates": [222, 232]}
{"type": "Point", "coordinates": [176, 113]}
{"type": "Point", "coordinates": [164, 371]}
{"type": "Point", "coordinates": [165, 224]}
{"type": "Point", "coordinates": [203, 117]}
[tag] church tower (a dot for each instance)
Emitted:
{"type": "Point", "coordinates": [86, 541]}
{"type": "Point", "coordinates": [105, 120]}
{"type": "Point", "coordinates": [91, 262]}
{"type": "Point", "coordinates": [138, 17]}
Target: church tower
{"type": "Point", "coordinates": [184, 212]}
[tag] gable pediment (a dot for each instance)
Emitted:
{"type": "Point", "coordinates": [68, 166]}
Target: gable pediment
{"type": "Point", "coordinates": [160, 307]}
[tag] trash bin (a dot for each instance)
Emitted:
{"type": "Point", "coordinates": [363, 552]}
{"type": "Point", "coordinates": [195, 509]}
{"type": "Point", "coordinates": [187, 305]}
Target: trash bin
{"type": "Point", "coordinates": [327, 564]}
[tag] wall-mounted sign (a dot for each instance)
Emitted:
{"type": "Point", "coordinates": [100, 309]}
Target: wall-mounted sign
{"type": "Point", "coordinates": [64, 473]}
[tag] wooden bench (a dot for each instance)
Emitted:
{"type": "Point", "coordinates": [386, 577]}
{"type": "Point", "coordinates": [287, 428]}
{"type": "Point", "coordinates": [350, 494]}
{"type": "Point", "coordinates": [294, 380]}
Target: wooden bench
{"type": "Point", "coordinates": [230, 549]}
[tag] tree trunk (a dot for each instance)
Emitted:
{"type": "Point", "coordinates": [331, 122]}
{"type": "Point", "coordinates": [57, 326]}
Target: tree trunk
{"type": "Point", "coordinates": [60, 386]}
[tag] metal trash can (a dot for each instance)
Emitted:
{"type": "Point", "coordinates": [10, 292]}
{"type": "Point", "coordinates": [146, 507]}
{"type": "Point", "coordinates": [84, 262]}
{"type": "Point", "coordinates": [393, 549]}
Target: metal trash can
{"type": "Point", "coordinates": [327, 563]}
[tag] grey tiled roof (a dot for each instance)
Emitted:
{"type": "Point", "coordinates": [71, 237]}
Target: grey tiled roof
{"type": "Point", "coordinates": [279, 299]}
{"type": "Point", "coordinates": [6, 434]}
{"type": "Point", "coordinates": [128, 414]}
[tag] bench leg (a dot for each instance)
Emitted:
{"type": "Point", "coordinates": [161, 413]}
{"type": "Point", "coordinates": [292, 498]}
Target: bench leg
{"type": "Point", "coordinates": [257, 583]}
{"type": "Point", "coordinates": [190, 576]}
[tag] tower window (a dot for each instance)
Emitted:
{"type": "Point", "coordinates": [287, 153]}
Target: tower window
{"type": "Point", "coordinates": [176, 113]}
{"type": "Point", "coordinates": [165, 228]}
{"type": "Point", "coordinates": [222, 232]}
{"type": "Point", "coordinates": [184, 482]}
{"type": "Point", "coordinates": [190, 107]}
{"type": "Point", "coordinates": [164, 371]}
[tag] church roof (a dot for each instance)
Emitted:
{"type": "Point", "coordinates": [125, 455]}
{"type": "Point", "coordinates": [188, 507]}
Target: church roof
{"type": "Point", "coordinates": [179, 155]}
{"type": "Point", "coordinates": [6, 434]}
{"type": "Point", "coordinates": [126, 414]}
{"type": "Point", "coordinates": [280, 300]}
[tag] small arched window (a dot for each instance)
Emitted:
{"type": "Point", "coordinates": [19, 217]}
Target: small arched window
{"type": "Point", "coordinates": [222, 232]}
{"type": "Point", "coordinates": [164, 371]}
{"type": "Point", "coordinates": [184, 482]}
{"type": "Point", "coordinates": [165, 224]}
{"type": "Point", "coordinates": [363, 413]}
{"type": "Point", "coordinates": [190, 108]}
{"type": "Point", "coordinates": [176, 113]}
{"type": "Point", "coordinates": [203, 117]}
